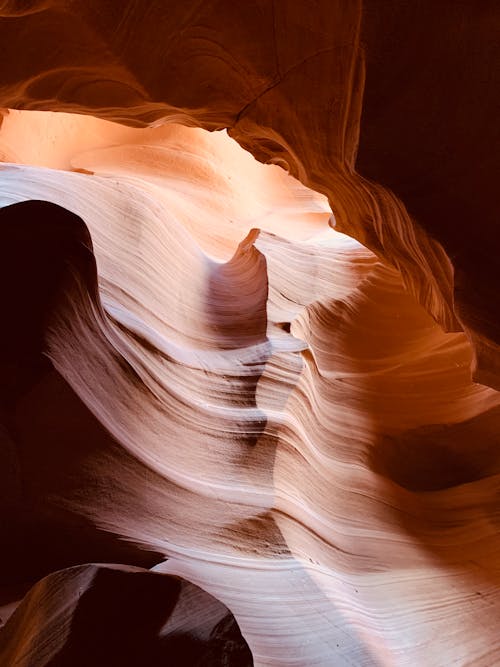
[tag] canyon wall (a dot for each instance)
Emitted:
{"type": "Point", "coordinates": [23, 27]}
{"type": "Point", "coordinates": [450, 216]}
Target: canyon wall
{"type": "Point", "coordinates": [250, 341]}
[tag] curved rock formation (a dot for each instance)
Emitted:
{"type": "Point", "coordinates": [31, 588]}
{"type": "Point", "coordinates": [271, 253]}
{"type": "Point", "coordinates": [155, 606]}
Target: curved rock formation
{"type": "Point", "coordinates": [312, 88]}
{"type": "Point", "coordinates": [113, 615]}
{"type": "Point", "coordinates": [202, 378]}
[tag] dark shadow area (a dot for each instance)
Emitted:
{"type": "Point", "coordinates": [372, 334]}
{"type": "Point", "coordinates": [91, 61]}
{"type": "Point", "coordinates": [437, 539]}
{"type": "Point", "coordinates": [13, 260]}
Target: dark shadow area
{"type": "Point", "coordinates": [440, 456]}
{"type": "Point", "coordinates": [46, 432]}
{"type": "Point", "coordinates": [119, 617]}
{"type": "Point", "coordinates": [40, 243]}
{"type": "Point", "coordinates": [430, 132]}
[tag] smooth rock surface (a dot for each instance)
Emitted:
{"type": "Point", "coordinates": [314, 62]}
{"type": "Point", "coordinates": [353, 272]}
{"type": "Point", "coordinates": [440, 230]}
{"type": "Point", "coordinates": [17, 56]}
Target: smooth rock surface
{"type": "Point", "coordinates": [204, 377]}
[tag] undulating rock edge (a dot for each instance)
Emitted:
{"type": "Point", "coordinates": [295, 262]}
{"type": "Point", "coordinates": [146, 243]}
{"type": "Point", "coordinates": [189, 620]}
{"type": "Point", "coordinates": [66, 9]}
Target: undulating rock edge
{"type": "Point", "coordinates": [232, 399]}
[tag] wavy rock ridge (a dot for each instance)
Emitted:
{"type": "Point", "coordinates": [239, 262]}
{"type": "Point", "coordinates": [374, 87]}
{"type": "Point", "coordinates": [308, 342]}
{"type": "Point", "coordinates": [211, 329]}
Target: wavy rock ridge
{"type": "Point", "coordinates": [246, 399]}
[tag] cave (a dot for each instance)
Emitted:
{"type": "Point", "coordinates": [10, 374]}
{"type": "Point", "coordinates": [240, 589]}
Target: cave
{"type": "Point", "coordinates": [250, 400]}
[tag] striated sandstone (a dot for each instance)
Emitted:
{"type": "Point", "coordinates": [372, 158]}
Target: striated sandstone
{"type": "Point", "coordinates": [203, 379]}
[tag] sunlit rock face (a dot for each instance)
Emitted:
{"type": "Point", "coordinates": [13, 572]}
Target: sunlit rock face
{"type": "Point", "coordinates": [259, 423]}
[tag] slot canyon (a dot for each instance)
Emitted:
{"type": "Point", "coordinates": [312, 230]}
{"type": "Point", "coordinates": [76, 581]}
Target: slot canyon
{"type": "Point", "coordinates": [250, 362]}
